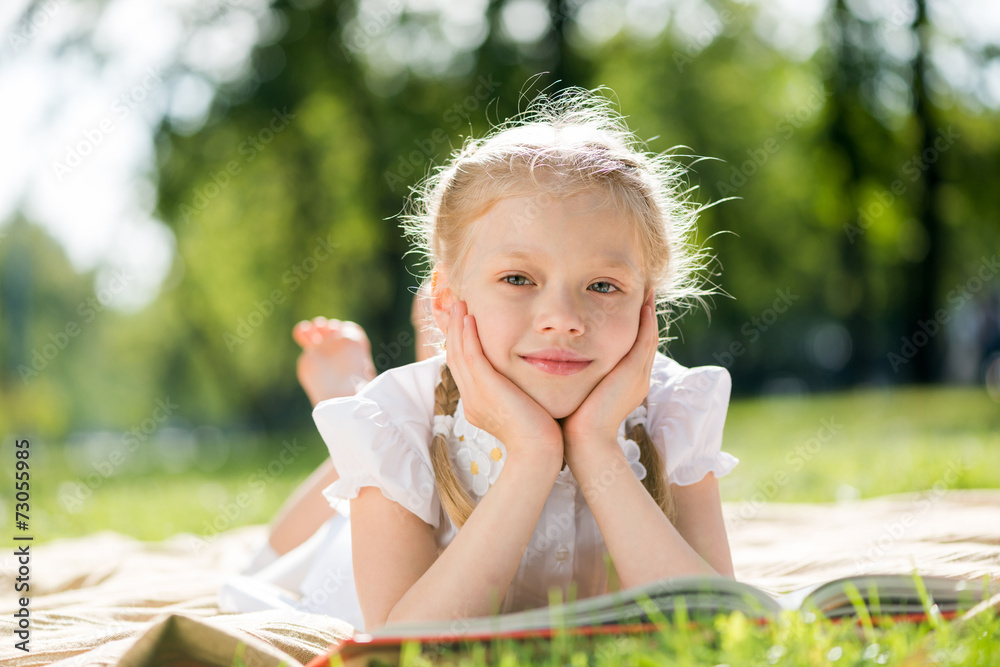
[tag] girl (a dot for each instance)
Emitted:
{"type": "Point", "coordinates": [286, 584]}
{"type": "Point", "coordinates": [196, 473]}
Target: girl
{"type": "Point", "coordinates": [551, 437]}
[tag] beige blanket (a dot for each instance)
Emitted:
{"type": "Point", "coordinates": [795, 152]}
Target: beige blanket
{"type": "Point", "coordinates": [110, 600]}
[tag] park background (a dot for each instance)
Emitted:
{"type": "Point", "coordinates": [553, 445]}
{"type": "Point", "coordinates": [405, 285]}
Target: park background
{"type": "Point", "coordinates": [184, 181]}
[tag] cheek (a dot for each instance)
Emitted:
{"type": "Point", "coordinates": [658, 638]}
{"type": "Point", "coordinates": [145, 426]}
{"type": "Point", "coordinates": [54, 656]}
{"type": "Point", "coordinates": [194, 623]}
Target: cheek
{"type": "Point", "coordinates": [620, 331]}
{"type": "Point", "coordinates": [493, 336]}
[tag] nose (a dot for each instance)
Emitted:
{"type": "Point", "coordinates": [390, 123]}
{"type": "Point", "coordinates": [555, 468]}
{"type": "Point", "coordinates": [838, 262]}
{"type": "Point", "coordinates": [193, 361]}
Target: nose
{"type": "Point", "coordinates": [559, 311]}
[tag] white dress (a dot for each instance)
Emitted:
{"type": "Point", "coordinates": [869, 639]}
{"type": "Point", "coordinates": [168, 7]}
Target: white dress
{"type": "Point", "coordinates": [381, 437]}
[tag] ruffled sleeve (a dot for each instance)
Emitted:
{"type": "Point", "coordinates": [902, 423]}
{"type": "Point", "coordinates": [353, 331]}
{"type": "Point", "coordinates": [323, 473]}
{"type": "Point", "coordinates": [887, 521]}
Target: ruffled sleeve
{"type": "Point", "coordinates": [687, 412]}
{"type": "Point", "coordinates": [381, 438]}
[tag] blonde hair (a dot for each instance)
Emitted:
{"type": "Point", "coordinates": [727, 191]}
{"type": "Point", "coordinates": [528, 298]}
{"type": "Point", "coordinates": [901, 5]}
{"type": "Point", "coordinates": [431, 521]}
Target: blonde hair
{"type": "Point", "coordinates": [561, 146]}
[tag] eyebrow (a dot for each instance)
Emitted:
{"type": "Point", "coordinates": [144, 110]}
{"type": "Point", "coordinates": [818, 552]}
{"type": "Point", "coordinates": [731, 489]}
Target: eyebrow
{"type": "Point", "coordinates": [611, 261]}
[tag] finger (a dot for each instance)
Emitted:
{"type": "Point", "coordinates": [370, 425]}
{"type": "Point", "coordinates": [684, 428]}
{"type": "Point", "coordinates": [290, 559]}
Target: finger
{"type": "Point", "coordinates": [454, 348]}
{"type": "Point", "coordinates": [465, 357]}
{"type": "Point", "coordinates": [471, 350]}
{"type": "Point", "coordinates": [638, 363]}
{"type": "Point", "coordinates": [644, 347]}
{"type": "Point", "coordinates": [475, 368]}
{"type": "Point", "coordinates": [470, 341]}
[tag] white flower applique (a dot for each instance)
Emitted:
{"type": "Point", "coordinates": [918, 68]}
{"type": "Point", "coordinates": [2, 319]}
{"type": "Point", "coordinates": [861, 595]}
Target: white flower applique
{"type": "Point", "coordinates": [479, 457]}
{"type": "Point", "coordinates": [631, 447]}
{"type": "Point", "coordinates": [473, 469]}
{"type": "Point", "coordinates": [498, 454]}
{"type": "Point", "coordinates": [444, 425]}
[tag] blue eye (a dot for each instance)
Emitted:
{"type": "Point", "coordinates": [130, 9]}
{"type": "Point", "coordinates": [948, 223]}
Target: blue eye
{"type": "Point", "coordinates": [516, 280]}
{"type": "Point", "coordinates": [603, 287]}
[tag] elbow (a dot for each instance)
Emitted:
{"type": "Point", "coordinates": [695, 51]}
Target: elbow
{"type": "Point", "coordinates": [373, 625]}
{"type": "Point", "coordinates": [397, 614]}
{"type": "Point", "coordinates": [375, 619]}
{"type": "Point", "coordinates": [721, 566]}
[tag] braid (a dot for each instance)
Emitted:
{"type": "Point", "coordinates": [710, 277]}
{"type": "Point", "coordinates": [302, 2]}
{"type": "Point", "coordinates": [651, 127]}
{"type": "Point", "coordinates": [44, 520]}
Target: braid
{"type": "Point", "coordinates": [655, 480]}
{"type": "Point", "coordinates": [456, 501]}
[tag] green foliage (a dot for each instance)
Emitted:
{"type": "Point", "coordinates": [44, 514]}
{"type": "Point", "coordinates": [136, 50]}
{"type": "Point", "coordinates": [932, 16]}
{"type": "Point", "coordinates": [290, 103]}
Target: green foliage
{"type": "Point", "coordinates": [733, 639]}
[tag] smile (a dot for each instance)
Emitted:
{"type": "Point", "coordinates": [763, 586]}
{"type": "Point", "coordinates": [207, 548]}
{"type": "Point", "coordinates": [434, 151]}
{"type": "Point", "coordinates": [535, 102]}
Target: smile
{"type": "Point", "coordinates": [557, 362]}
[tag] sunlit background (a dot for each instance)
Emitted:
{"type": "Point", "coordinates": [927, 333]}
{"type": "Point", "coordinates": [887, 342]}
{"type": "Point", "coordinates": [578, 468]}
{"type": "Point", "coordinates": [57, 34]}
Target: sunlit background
{"type": "Point", "coordinates": [173, 173]}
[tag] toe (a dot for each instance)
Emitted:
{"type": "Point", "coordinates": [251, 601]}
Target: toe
{"type": "Point", "coordinates": [301, 333]}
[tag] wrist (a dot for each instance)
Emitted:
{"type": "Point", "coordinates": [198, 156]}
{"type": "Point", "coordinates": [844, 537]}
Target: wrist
{"type": "Point", "coordinates": [592, 438]}
{"type": "Point", "coordinates": [592, 451]}
{"type": "Point", "coordinates": [596, 471]}
{"type": "Point", "coordinates": [587, 445]}
{"type": "Point", "coordinates": [537, 458]}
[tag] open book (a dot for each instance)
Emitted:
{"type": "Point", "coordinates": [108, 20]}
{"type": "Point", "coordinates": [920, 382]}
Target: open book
{"type": "Point", "coordinates": [637, 609]}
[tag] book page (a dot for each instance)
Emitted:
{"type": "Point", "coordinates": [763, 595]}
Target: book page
{"type": "Point", "coordinates": [701, 595]}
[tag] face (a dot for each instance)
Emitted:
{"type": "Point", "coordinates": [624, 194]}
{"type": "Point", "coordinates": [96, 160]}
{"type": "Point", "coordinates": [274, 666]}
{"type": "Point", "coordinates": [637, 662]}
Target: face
{"type": "Point", "coordinates": [556, 287]}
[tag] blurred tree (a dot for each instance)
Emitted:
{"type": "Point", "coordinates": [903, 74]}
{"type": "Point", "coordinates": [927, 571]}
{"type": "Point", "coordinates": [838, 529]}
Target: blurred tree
{"type": "Point", "coordinates": [339, 169]}
{"type": "Point", "coordinates": [284, 203]}
{"type": "Point", "coordinates": [854, 63]}
{"type": "Point", "coordinates": [54, 324]}
{"type": "Point", "coordinates": [925, 275]}
{"type": "Point", "coordinates": [827, 158]}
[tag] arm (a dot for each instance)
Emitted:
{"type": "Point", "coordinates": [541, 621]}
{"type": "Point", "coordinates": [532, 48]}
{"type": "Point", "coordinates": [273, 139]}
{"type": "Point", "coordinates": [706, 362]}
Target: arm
{"type": "Point", "coordinates": [700, 522]}
{"type": "Point", "coordinates": [398, 573]}
{"type": "Point", "coordinates": [644, 545]}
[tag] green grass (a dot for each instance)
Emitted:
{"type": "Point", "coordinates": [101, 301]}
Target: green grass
{"type": "Point", "coordinates": [159, 490]}
{"type": "Point", "coordinates": [793, 639]}
{"type": "Point", "coordinates": [876, 443]}
{"type": "Point", "coordinates": [862, 444]}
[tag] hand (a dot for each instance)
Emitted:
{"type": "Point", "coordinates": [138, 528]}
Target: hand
{"type": "Point", "coordinates": [494, 403]}
{"type": "Point", "coordinates": [619, 393]}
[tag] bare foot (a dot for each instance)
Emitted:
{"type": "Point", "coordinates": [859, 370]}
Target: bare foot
{"type": "Point", "coordinates": [336, 358]}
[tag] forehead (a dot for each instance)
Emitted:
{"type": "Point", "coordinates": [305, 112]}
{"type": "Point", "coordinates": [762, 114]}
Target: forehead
{"type": "Point", "coordinates": [582, 228]}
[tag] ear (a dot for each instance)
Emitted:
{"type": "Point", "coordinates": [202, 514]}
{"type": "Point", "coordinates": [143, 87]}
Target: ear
{"type": "Point", "coordinates": [441, 297]}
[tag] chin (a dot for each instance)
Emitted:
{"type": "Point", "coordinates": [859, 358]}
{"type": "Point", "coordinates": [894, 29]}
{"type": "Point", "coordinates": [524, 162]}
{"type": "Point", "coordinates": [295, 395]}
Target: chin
{"type": "Point", "coordinates": [559, 400]}
{"type": "Point", "coordinates": [561, 407]}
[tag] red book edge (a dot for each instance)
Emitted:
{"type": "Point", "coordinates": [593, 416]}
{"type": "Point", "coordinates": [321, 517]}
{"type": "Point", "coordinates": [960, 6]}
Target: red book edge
{"type": "Point", "coordinates": [361, 643]}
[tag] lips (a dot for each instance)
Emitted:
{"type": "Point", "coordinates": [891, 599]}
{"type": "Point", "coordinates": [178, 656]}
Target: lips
{"type": "Point", "coordinates": [556, 362]}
